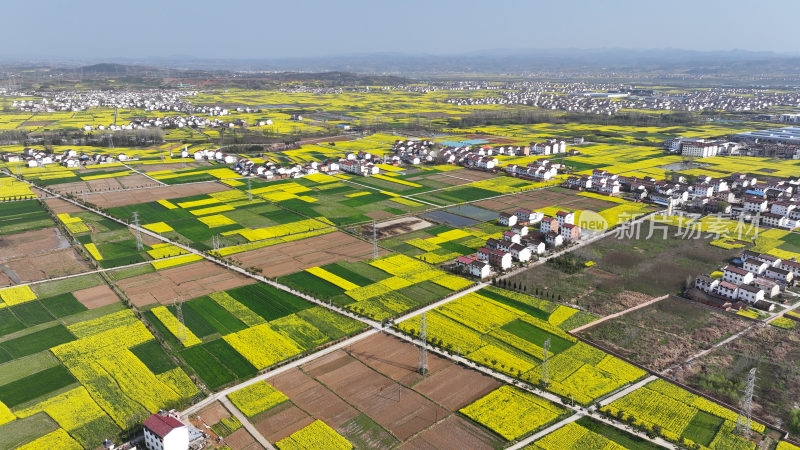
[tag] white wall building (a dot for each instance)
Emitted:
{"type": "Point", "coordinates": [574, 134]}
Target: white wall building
{"type": "Point", "coordinates": [165, 433]}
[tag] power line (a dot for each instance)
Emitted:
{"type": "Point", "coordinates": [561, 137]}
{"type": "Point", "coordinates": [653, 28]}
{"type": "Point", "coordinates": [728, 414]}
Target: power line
{"type": "Point", "coordinates": [374, 240]}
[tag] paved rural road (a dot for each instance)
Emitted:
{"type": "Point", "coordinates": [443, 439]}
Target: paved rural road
{"type": "Point", "coordinates": [146, 175]}
{"type": "Point", "coordinates": [540, 434]}
{"type": "Point", "coordinates": [622, 393]}
{"type": "Point", "coordinates": [621, 313]}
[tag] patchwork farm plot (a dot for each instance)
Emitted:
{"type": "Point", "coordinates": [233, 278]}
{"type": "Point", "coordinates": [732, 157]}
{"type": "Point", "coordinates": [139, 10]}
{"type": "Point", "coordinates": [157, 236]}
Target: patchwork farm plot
{"type": "Point", "coordinates": [590, 433]}
{"type": "Point", "coordinates": [225, 331]}
{"type": "Point", "coordinates": [166, 285]}
{"type": "Point", "coordinates": [507, 331]}
{"type": "Point", "coordinates": [60, 358]}
{"type": "Point", "coordinates": [32, 248]}
{"type": "Point", "coordinates": [380, 289]}
{"type": "Point", "coordinates": [682, 416]}
{"type": "Point", "coordinates": [438, 244]}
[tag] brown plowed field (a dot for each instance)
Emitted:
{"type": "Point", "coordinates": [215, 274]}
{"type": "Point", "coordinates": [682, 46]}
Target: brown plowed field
{"type": "Point", "coordinates": [188, 281]}
{"type": "Point", "coordinates": [122, 198]}
{"type": "Point", "coordinates": [377, 378]}
{"type": "Point", "coordinates": [545, 197]}
{"type": "Point", "coordinates": [290, 257]}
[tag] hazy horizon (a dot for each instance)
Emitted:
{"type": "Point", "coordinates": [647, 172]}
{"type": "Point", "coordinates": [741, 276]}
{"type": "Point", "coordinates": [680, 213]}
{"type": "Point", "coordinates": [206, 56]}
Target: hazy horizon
{"type": "Point", "coordinates": [90, 29]}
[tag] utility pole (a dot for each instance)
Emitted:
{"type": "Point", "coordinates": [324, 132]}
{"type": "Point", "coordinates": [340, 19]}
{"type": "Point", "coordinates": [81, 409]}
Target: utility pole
{"type": "Point", "coordinates": [745, 414]}
{"type": "Point", "coordinates": [423, 349]}
{"type": "Point", "coordinates": [546, 363]}
{"type": "Point", "coordinates": [374, 240]}
{"type": "Point", "coordinates": [139, 245]}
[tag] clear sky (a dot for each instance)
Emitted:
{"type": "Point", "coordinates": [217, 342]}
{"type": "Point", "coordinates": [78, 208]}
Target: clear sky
{"type": "Point", "coordinates": [298, 28]}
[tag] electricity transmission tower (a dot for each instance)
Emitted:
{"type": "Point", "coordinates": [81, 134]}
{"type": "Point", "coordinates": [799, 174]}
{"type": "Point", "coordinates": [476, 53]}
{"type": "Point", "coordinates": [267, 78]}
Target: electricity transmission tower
{"type": "Point", "coordinates": [546, 363]}
{"type": "Point", "coordinates": [179, 314]}
{"type": "Point", "coordinates": [375, 242]}
{"type": "Point", "coordinates": [139, 245]}
{"type": "Point", "coordinates": [215, 242]}
{"type": "Point", "coordinates": [249, 189]}
{"type": "Point", "coordinates": [423, 349]}
{"type": "Point", "coordinates": [743, 421]}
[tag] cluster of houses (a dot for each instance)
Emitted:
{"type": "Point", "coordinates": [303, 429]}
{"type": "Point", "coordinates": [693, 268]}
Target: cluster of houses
{"type": "Point", "coordinates": [480, 157]}
{"type": "Point", "coordinates": [68, 158]}
{"type": "Point", "coordinates": [413, 151]}
{"type": "Point", "coordinates": [176, 122]}
{"type": "Point", "coordinates": [764, 144]}
{"type": "Point", "coordinates": [147, 99]}
{"type": "Point", "coordinates": [519, 243]}
{"type": "Point", "coordinates": [361, 163]}
{"type": "Point", "coordinates": [775, 201]}
{"type": "Point", "coordinates": [611, 98]}
{"type": "Point", "coordinates": [751, 280]}
{"type": "Point", "coordinates": [541, 169]}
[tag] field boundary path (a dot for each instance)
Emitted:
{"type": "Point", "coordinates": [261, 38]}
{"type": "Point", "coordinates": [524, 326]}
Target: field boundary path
{"type": "Point", "coordinates": [617, 314]}
{"type": "Point", "coordinates": [145, 175]}
{"type": "Point", "coordinates": [246, 423]}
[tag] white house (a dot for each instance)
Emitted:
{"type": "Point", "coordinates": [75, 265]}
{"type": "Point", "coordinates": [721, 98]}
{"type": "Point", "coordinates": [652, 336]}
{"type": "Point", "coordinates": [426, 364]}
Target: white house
{"type": "Point", "coordinates": [520, 252]}
{"type": "Point", "coordinates": [705, 283]}
{"type": "Point", "coordinates": [554, 239]}
{"type": "Point", "coordinates": [499, 258]}
{"type": "Point", "coordinates": [782, 208]}
{"type": "Point", "coordinates": [770, 288]}
{"type": "Point", "coordinates": [728, 290]}
{"type": "Point", "coordinates": [548, 224]}
{"type": "Point", "coordinates": [791, 266]}
{"type": "Point", "coordinates": [750, 294]}
{"type": "Point", "coordinates": [755, 266]}
{"type": "Point", "coordinates": [479, 269]}
{"type": "Point", "coordinates": [165, 433]}
{"type": "Point", "coordinates": [536, 247]}
{"type": "Point", "coordinates": [774, 220]}
{"type": "Point", "coordinates": [528, 216]}
{"type": "Point", "coordinates": [521, 230]}
{"type": "Point", "coordinates": [511, 237]}
{"type": "Point", "coordinates": [782, 276]}
{"type": "Point", "coordinates": [565, 217]}
{"type": "Point", "coordinates": [699, 149]}
{"type": "Point", "coordinates": [755, 204]}
{"type": "Point", "coordinates": [735, 275]}
{"type": "Point", "coordinates": [507, 220]}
